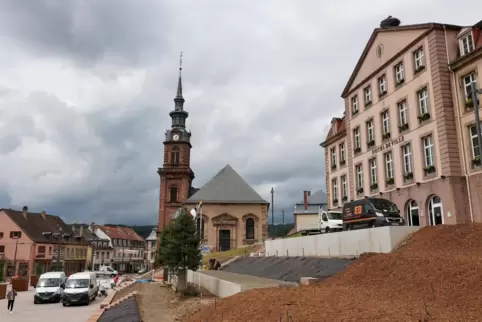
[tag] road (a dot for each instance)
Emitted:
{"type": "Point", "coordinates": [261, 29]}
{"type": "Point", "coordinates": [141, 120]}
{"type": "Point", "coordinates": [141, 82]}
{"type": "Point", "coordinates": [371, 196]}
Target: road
{"type": "Point", "coordinates": [26, 311]}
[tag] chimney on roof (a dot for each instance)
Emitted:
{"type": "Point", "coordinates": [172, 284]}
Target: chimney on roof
{"type": "Point", "coordinates": [81, 231]}
{"type": "Point", "coordinates": [305, 199]}
{"type": "Point", "coordinates": [43, 214]}
{"type": "Point", "coordinates": [25, 211]}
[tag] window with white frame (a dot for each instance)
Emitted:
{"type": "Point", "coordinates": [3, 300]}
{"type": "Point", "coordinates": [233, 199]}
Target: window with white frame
{"type": "Point", "coordinates": [423, 101]}
{"type": "Point", "coordinates": [357, 138]}
{"type": "Point", "coordinates": [334, 186]}
{"type": "Point", "coordinates": [407, 158]}
{"type": "Point", "coordinates": [419, 58]}
{"type": "Point", "coordinates": [368, 95]}
{"type": "Point", "coordinates": [402, 112]}
{"type": "Point", "coordinates": [428, 151]}
{"type": "Point", "coordinates": [333, 158]}
{"type": "Point", "coordinates": [359, 176]}
{"type": "Point", "coordinates": [341, 148]}
{"type": "Point", "coordinates": [468, 80]}
{"type": "Point", "coordinates": [466, 44]}
{"type": "Point", "coordinates": [382, 85]}
{"type": "Point", "coordinates": [370, 131]}
{"type": "Point", "coordinates": [386, 122]}
{"type": "Point", "coordinates": [354, 104]}
{"type": "Point", "coordinates": [399, 73]}
{"type": "Point", "coordinates": [389, 165]}
{"type": "Point", "coordinates": [373, 171]}
{"type": "Point", "coordinates": [474, 142]}
{"type": "Point", "coordinates": [344, 187]}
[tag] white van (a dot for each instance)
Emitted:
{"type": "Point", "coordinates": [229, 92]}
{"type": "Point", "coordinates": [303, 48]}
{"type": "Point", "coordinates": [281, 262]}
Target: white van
{"type": "Point", "coordinates": [50, 287]}
{"type": "Point", "coordinates": [81, 288]}
{"type": "Point", "coordinates": [331, 221]}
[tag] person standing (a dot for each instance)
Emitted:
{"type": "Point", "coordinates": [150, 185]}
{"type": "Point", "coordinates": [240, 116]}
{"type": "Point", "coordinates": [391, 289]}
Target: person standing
{"type": "Point", "coordinates": [11, 299]}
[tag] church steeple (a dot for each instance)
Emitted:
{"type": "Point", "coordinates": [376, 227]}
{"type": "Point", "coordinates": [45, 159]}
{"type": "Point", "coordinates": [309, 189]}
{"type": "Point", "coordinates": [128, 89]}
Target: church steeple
{"type": "Point", "coordinates": [179, 100]}
{"type": "Point", "coordinates": [178, 131]}
{"type": "Point", "coordinates": [176, 174]}
{"type": "Point", "coordinates": [179, 116]}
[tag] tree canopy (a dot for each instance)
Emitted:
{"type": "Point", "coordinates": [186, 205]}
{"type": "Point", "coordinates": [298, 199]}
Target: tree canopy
{"type": "Point", "coordinates": [179, 243]}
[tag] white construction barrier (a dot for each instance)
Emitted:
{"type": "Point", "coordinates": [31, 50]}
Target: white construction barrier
{"type": "Point", "coordinates": [341, 244]}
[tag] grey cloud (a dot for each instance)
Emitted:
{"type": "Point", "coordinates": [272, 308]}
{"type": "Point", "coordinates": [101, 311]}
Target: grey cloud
{"type": "Point", "coordinates": [88, 32]}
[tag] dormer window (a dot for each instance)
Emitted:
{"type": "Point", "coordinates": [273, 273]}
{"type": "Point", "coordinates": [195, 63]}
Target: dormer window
{"type": "Point", "coordinates": [466, 44]}
{"type": "Point", "coordinates": [333, 128]}
{"type": "Point", "coordinates": [382, 86]}
{"type": "Point", "coordinates": [419, 60]}
{"type": "Point", "coordinates": [354, 105]}
{"type": "Point", "coordinates": [368, 96]}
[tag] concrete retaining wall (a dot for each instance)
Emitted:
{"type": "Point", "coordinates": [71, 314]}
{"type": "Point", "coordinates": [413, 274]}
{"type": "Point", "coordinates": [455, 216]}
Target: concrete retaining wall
{"type": "Point", "coordinates": [347, 243]}
{"type": "Point", "coordinates": [216, 286]}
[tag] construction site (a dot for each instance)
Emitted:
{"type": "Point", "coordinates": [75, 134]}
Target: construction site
{"type": "Point", "coordinates": [430, 274]}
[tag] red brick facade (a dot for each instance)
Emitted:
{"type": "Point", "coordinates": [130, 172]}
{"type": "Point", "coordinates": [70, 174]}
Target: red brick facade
{"type": "Point", "coordinates": [174, 175]}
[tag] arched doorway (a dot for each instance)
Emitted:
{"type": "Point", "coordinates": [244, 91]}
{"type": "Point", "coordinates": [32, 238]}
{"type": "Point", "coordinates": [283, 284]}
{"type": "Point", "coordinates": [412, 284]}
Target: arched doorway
{"type": "Point", "coordinates": [412, 213]}
{"type": "Point", "coordinates": [435, 211]}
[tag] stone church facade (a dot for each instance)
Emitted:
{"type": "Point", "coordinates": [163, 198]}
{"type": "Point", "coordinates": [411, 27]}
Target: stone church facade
{"type": "Point", "coordinates": [233, 213]}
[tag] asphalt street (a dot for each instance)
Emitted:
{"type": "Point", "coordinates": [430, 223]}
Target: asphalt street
{"type": "Point", "coordinates": [26, 311]}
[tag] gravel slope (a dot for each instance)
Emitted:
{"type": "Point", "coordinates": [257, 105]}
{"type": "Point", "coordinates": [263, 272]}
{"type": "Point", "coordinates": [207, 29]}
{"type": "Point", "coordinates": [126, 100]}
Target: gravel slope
{"type": "Point", "coordinates": [435, 276]}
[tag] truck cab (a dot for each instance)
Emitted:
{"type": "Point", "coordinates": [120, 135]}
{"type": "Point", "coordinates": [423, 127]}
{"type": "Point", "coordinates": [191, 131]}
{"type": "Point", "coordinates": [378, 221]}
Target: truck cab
{"type": "Point", "coordinates": [331, 221]}
{"type": "Point", "coordinates": [370, 213]}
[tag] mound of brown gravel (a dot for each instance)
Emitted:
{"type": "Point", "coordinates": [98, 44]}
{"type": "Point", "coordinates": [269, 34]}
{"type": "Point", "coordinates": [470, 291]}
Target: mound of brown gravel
{"type": "Point", "coordinates": [435, 276]}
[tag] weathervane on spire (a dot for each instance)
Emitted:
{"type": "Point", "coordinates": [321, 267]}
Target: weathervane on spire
{"type": "Point", "coordinates": [180, 62]}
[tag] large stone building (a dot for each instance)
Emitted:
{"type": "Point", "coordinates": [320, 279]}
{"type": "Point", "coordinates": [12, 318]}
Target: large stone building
{"type": "Point", "coordinates": [407, 132]}
{"type": "Point", "coordinates": [234, 214]}
{"type": "Point", "coordinates": [128, 248]}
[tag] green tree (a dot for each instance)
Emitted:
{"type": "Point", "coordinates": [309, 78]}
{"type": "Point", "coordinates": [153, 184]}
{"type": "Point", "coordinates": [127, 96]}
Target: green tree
{"type": "Point", "coordinates": [179, 243]}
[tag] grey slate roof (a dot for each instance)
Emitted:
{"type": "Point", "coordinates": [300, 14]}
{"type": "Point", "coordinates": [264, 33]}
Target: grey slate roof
{"type": "Point", "coordinates": [152, 235]}
{"type": "Point", "coordinates": [227, 187]}
{"type": "Point", "coordinates": [315, 201]}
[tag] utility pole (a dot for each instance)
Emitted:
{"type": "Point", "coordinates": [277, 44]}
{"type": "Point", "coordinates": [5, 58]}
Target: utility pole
{"type": "Point", "coordinates": [283, 215]}
{"type": "Point", "coordinates": [476, 91]}
{"type": "Point", "coordinates": [272, 213]}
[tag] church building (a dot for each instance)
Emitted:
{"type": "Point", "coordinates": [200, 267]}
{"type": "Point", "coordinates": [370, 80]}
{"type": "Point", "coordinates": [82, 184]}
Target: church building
{"type": "Point", "coordinates": [233, 213]}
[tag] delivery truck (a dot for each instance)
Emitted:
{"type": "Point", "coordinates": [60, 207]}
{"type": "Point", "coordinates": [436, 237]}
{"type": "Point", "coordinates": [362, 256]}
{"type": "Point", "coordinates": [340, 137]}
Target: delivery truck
{"type": "Point", "coordinates": [370, 213]}
{"type": "Point", "coordinates": [323, 222]}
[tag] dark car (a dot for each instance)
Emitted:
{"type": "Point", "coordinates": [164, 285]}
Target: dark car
{"type": "Point", "coordinates": [370, 213]}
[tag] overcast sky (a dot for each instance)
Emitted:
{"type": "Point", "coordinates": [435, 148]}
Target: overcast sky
{"type": "Point", "coordinates": [86, 88]}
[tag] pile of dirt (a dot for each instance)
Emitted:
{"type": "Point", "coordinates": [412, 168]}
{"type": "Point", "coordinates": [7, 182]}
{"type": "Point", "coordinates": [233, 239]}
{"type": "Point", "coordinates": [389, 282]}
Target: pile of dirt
{"type": "Point", "coordinates": [437, 275]}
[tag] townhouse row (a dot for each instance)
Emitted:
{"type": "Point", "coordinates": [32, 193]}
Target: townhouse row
{"type": "Point", "coordinates": [33, 243]}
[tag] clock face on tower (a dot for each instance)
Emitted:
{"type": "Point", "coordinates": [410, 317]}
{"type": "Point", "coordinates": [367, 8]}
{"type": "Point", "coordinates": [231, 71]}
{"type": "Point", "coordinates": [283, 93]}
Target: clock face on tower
{"type": "Point", "coordinates": [175, 137]}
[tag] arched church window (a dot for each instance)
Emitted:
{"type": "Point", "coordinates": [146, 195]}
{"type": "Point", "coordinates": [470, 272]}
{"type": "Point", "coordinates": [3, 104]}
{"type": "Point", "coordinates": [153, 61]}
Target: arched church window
{"type": "Point", "coordinates": [175, 156]}
{"type": "Point", "coordinates": [173, 193]}
{"type": "Point", "coordinates": [250, 228]}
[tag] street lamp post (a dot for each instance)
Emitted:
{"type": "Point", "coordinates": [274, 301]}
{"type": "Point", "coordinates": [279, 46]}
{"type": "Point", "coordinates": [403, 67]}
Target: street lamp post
{"type": "Point", "coordinates": [57, 263]}
{"type": "Point", "coordinates": [272, 213]}
{"type": "Point", "coordinates": [15, 258]}
{"type": "Point", "coordinates": [476, 91]}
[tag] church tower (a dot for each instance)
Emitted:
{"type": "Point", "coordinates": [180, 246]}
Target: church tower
{"type": "Point", "coordinates": [176, 174]}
